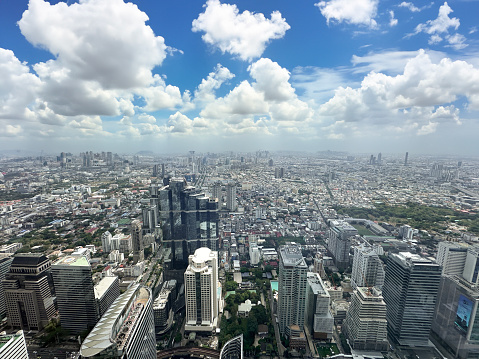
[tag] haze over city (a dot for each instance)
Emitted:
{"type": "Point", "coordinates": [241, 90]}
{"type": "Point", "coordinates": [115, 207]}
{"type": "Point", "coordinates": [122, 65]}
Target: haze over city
{"type": "Point", "coordinates": [360, 76]}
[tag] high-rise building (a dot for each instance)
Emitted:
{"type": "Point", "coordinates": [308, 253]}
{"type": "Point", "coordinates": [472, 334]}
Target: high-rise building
{"type": "Point", "coordinates": [366, 324]}
{"type": "Point", "coordinates": [28, 292]}
{"type": "Point", "coordinates": [406, 158]}
{"type": "Point", "coordinates": [189, 220]}
{"type": "Point", "coordinates": [106, 291]}
{"type": "Point", "coordinates": [254, 254]}
{"type": "Point", "coordinates": [471, 266]}
{"type": "Point", "coordinates": [216, 191]}
{"type": "Point", "coordinates": [201, 290]}
{"type": "Point", "coordinates": [410, 290]}
{"type": "Point", "coordinates": [456, 318]}
{"type": "Point", "coordinates": [231, 204]}
{"type": "Point", "coordinates": [367, 269]}
{"type": "Point", "coordinates": [106, 242]}
{"type": "Point", "coordinates": [291, 288]}
{"type": "Point", "coordinates": [451, 256]}
{"type": "Point", "coordinates": [5, 263]}
{"type": "Point", "coordinates": [150, 219]}
{"type": "Point", "coordinates": [74, 288]}
{"type": "Point", "coordinates": [339, 242]}
{"type": "Point", "coordinates": [126, 330]}
{"type": "Point", "coordinates": [318, 317]}
{"type": "Point", "coordinates": [163, 304]}
{"type": "Point", "coordinates": [137, 241]}
{"type": "Point", "coordinates": [233, 348]}
{"type": "Point", "coordinates": [13, 346]}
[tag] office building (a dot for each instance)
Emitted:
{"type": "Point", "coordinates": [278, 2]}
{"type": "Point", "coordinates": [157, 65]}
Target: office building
{"type": "Point", "coordinates": [367, 269]}
{"type": "Point", "coordinates": [28, 292]}
{"type": "Point", "coordinates": [471, 266]}
{"type": "Point", "coordinates": [126, 330]}
{"type": "Point", "coordinates": [137, 241]}
{"type": "Point", "coordinates": [366, 325]}
{"type": "Point", "coordinates": [5, 262]}
{"type": "Point", "coordinates": [410, 291]}
{"type": "Point", "coordinates": [456, 318]}
{"type": "Point", "coordinates": [318, 317]}
{"type": "Point", "coordinates": [339, 243]}
{"type": "Point", "coordinates": [150, 219]}
{"type": "Point", "coordinates": [163, 304]}
{"type": "Point", "coordinates": [189, 220]}
{"type": "Point", "coordinates": [451, 256]}
{"type": "Point", "coordinates": [13, 346]}
{"type": "Point", "coordinates": [231, 204]}
{"type": "Point", "coordinates": [291, 288]}
{"type": "Point", "coordinates": [233, 348]}
{"type": "Point", "coordinates": [201, 290]}
{"type": "Point", "coordinates": [75, 293]}
{"type": "Point", "coordinates": [106, 291]}
{"type": "Point", "coordinates": [216, 191]}
{"type": "Point", "coordinates": [254, 254]}
{"type": "Point", "coordinates": [106, 242]}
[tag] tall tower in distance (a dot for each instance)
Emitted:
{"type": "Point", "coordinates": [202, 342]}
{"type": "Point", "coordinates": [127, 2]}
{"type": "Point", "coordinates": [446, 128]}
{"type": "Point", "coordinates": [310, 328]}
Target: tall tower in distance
{"type": "Point", "coordinates": [137, 241]}
{"type": "Point", "coordinates": [405, 158]}
{"type": "Point", "coordinates": [410, 290]}
{"type": "Point", "coordinates": [201, 290]}
{"type": "Point", "coordinates": [291, 288]}
{"type": "Point", "coordinates": [231, 197]}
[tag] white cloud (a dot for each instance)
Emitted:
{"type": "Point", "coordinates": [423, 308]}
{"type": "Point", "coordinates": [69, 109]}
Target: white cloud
{"type": "Point", "coordinates": [10, 130]}
{"type": "Point", "coordinates": [206, 89]}
{"type": "Point", "coordinates": [144, 117]}
{"type": "Point", "coordinates": [244, 35]}
{"type": "Point", "coordinates": [410, 6]}
{"type": "Point", "coordinates": [440, 27]}
{"type": "Point", "coordinates": [357, 12]}
{"type": "Point", "coordinates": [392, 20]}
{"type": "Point", "coordinates": [160, 96]}
{"type": "Point", "coordinates": [272, 80]}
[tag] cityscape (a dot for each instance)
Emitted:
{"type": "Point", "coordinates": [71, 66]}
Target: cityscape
{"type": "Point", "coordinates": [255, 255]}
{"type": "Point", "coordinates": [225, 179]}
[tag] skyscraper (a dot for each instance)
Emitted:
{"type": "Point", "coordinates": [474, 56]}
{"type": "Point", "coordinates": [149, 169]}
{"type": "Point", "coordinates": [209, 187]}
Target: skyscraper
{"type": "Point", "coordinates": [75, 293]}
{"type": "Point", "coordinates": [318, 317]}
{"type": "Point", "coordinates": [28, 292]}
{"type": "Point", "coordinates": [189, 220]}
{"type": "Point", "coordinates": [410, 291]}
{"type": "Point", "coordinates": [231, 204]}
{"type": "Point", "coordinates": [201, 290]}
{"type": "Point", "coordinates": [106, 242]}
{"type": "Point", "coordinates": [5, 263]}
{"type": "Point", "coordinates": [367, 269]}
{"type": "Point", "coordinates": [137, 241]}
{"type": "Point", "coordinates": [366, 324]}
{"type": "Point", "coordinates": [406, 158]}
{"type": "Point", "coordinates": [339, 242]}
{"type": "Point", "coordinates": [291, 288]}
{"type": "Point", "coordinates": [126, 330]}
{"type": "Point", "coordinates": [451, 256]}
{"type": "Point", "coordinates": [13, 346]}
{"type": "Point", "coordinates": [471, 266]}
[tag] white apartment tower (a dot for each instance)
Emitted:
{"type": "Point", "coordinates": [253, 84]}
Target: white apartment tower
{"type": "Point", "coordinates": [451, 256]}
{"type": "Point", "coordinates": [291, 288]}
{"type": "Point", "coordinates": [201, 290]}
{"type": "Point", "coordinates": [366, 324]}
{"type": "Point", "coordinates": [106, 242]}
{"type": "Point", "coordinates": [367, 269]}
{"type": "Point", "coordinates": [231, 204]}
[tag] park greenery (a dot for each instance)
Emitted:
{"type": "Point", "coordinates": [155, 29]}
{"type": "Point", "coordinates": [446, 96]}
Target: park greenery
{"type": "Point", "coordinates": [429, 218]}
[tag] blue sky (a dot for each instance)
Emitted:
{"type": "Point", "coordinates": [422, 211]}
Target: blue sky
{"type": "Point", "coordinates": [171, 76]}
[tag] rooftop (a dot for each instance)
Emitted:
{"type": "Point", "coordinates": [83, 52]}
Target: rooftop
{"type": "Point", "coordinates": [72, 261]}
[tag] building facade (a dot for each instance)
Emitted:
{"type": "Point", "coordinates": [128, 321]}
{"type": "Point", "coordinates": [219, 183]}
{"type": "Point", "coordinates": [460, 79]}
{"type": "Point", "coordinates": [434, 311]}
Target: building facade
{"type": "Point", "coordinates": [410, 290]}
{"type": "Point", "coordinates": [13, 346]}
{"type": "Point", "coordinates": [318, 317]}
{"type": "Point", "coordinates": [367, 268]}
{"type": "Point", "coordinates": [291, 288]}
{"type": "Point", "coordinates": [451, 256]}
{"type": "Point", "coordinates": [201, 290]}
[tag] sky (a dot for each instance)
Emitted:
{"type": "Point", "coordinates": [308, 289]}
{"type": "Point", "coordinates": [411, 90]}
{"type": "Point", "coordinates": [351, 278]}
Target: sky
{"type": "Point", "coordinates": [173, 76]}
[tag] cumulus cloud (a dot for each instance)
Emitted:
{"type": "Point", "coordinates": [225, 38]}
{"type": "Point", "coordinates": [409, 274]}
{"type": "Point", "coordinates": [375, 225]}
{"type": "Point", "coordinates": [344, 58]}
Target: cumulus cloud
{"type": "Point", "coordinates": [439, 28]}
{"type": "Point", "coordinates": [244, 35]}
{"type": "Point", "coordinates": [206, 89]}
{"type": "Point", "coordinates": [392, 21]}
{"type": "Point", "coordinates": [358, 12]}
{"type": "Point", "coordinates": [410, 6]}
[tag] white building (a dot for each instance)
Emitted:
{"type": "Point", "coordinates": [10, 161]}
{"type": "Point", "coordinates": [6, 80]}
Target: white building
{"type": "Point", "coordinates": [106, 242]}
{"type": "Point", "coordinates": [254, 254]}
{"type": "Point", "coordinates": [451, 256]}
{"type": "Point", "coordinates": [201, 290]}
{"type": "Point", "coordinates": [367, 269]}
{"type": "Point", "coordinates": [231, 197]}
{"type": "Point", "coordinates": [319, 319]}
{"type": "Point", "coordinates": [13, 346]}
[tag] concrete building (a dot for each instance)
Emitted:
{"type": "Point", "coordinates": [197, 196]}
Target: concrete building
{"type": "Point", "coordinates": [28, 292]}
{"type": "Point", "coordinates": [201, 290]}
{"type": "Point", "coordinates": [367, 268]}
{"type": "Point", "coordinates": [318, 317]}
{"type": "Point", "coordinates": [471, 267]}
{"type": "Point", "coordinates": [456, 318]}
{"type": "Point", "coordinates": [339, 243]}
{"type": "Point", "coordinates": [291, 288]}
{"type": "Point", "coordinates": [106, 242]}
{"type": "Point", "coordinates": [410, 291]}
{"type": "Point", "coordinates": [74, 288]}
{"type": "Point", "coordinates": [126, 330]}
{"type": "Point", "coordinates": [366, 324]}
{"type": "Point", "coordinates": [163, 304]}
{"type": "Point", "coordinates": [137, 241]}
{"type": "Point", "coordinates": [5, 263]}
{"type": "Point", "coordinates": [233, 348]}
{"type": "Point", "coordinates": [231, 204]}
{"type": "Point", "coordinates": [451, 256]}
{"type": "Point", "coordinates": [106, 291]}
{"type": "Point", "coordinates": [254, 254]}
{"type": "Point", "coordinates": [13, 346]}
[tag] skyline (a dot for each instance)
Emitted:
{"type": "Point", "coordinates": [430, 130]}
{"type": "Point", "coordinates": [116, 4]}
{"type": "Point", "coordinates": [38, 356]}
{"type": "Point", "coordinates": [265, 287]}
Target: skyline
{"type": "Point", "coordinates": [369, 76]}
